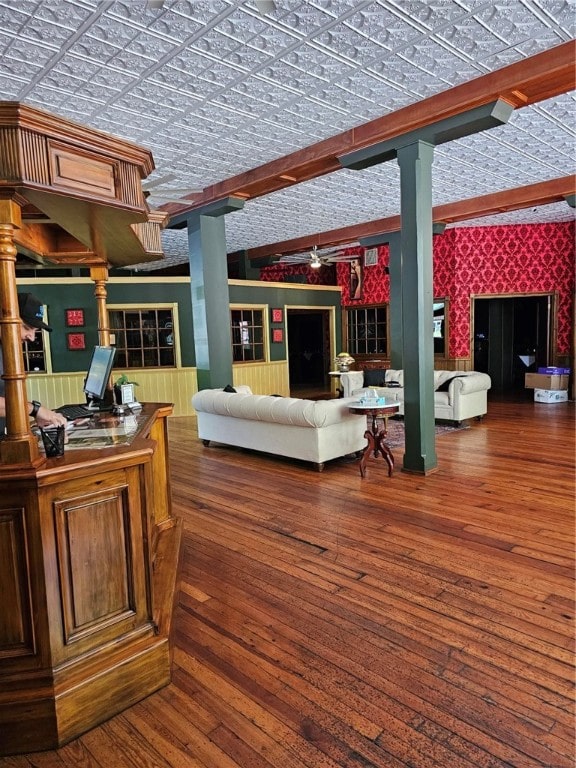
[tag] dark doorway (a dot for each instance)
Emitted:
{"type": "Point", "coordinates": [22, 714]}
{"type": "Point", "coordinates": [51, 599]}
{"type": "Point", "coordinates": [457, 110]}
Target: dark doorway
{"type": "Point", "coordinates": [308, 351]}
{"type": "Point", "coordinates": [512, 336]}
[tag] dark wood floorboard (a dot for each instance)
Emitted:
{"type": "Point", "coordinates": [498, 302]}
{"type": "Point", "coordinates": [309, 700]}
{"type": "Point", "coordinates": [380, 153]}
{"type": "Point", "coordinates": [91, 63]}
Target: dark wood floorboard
{"type": "Point", "coordinates": [325, 621]}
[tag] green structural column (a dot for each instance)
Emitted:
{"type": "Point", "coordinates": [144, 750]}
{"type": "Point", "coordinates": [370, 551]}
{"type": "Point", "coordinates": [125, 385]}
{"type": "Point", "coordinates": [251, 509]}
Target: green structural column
{"type": "Point", "coordinates": [415, 161]}
{"type": "Point", "coordinates": [210, 298]}
{"type": "Point", "coordinates": [414, 152]}
{"type": "Point", "coordinates": [246, 270]}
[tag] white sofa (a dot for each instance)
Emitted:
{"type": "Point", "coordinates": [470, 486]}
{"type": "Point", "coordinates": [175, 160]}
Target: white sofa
{"type": "Point", "coordinates": [458, 395]}
{"type": "Point", "coordinates": [310, 430]}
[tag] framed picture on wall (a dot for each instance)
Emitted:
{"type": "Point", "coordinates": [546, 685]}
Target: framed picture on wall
{"type": "Point", "coordinates": [277, 335]}
{"type": "Point", "coordinates": [74, 317]}
{"type": "Point", "coordinates": [277, 315]}
{"type": "Point", "coordinates": [76, 341]}
{"type": "Point", "coordinates": [356, 279]}
{"type": "Point", "coordinates": [370, 257]}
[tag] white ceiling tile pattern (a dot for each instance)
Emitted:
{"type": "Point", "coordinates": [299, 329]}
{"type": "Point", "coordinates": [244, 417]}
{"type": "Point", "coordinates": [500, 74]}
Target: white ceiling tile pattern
{"type": "Point", "coordinates": [214, 88]}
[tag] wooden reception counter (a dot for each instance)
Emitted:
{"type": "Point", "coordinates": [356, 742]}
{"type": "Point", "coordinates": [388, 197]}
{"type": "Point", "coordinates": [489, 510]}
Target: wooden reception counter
{"type": "Point", "coordinates": [88, 562]}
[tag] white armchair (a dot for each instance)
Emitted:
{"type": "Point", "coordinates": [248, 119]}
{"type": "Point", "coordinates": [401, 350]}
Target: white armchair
{"type": "Point", "coordinates": [350, 382]}
{"type": "Point", "coordinates": [458, 395]}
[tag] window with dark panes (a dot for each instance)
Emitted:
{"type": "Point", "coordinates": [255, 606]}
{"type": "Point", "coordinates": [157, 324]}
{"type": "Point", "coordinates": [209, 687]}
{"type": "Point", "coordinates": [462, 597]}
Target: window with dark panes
{"type": "Point", "coordinates": [144, 337]}
{"type": "Point", "coordinates": [35, 354]}
{"type": "Point", "coordinates": [247, 335]}
{"type": "Point", "coordinates": [367, 330]}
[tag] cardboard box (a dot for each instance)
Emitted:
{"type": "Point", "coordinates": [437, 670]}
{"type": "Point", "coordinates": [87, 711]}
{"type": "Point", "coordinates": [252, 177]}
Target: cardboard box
{"type": "Point", "coordinates": [553, 369]}
{"type": "Point", "coordinates": [545, 381]}
{"type": "Point", "coordinates": [550, 395]}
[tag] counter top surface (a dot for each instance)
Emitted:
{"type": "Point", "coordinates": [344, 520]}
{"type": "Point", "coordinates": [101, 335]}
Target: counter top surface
{"type": "Point", "coordinates": [103, 439]}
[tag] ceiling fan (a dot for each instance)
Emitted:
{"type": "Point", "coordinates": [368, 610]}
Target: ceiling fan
{"type": "Point", "coordinates": [316, 258]}
{"type": "Point", "coordinates": [156, 193]}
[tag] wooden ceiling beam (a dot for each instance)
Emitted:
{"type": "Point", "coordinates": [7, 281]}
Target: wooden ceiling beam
{"type": "Point", "coordinates": [531, 196]}
{"type": "Point", "coordinates": [539, 77]}
{"type": "Point", "coordinates": [542, 193]}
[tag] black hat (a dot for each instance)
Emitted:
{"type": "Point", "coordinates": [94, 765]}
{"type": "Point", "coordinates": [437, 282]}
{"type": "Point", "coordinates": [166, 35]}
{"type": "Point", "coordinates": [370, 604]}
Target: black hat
{"type": "Point", "coordinates": [31, 311]}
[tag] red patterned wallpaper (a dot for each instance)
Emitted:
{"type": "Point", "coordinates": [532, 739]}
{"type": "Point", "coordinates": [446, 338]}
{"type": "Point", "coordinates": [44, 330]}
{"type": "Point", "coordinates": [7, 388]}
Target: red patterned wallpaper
{"type": "Point", "coordinates": [531, 258]}
{"type": "Point", "coordinates": [278, 273]}
{"type": "Point", "coordinates": [375, 282]}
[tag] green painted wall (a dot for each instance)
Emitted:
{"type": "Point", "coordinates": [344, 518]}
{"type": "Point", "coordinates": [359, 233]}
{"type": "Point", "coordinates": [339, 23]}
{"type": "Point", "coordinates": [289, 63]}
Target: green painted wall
{"type": "Point", "coordinates": [278, 297]}
{"type": "Point", "coordinates": [153, 292]}
{"type": "Point", "coordinates": [61, 294]}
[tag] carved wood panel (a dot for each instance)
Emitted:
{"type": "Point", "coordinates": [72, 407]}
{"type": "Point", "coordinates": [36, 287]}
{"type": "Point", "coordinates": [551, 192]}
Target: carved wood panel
{"type": "Point", "coordinates": [81, 172]}
{"type": "Point", "coordinates": [96, 561]}
{"type": "Point", "coordinates": [371, 363]}
{"type": "Point", "coordinates": [16, 629]}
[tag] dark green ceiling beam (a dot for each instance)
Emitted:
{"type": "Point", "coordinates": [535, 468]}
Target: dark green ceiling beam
{"type": "Point", "coordinates": [474, 121]}
{"type": "Point", "coordinates": [383, 238]}
{"type": "Point", "coordinates": [217, 208]}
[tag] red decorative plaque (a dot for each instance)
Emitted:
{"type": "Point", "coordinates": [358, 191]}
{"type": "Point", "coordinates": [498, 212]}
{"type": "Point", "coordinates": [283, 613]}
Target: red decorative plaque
{"type": "Point", "coordinates": [74, 317]}
{"type": "Point", "coordinates": [76, 341]}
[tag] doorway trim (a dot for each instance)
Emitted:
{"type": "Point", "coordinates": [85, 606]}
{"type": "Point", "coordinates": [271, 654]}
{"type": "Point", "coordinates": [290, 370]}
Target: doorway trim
{"type": "Point", "coordinates": [331, 310]}
{"type": "Point", "coordinates": [552, 318]}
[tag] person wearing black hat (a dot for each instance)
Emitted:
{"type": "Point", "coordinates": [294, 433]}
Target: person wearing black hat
{"type": "Point", "coordinates": [32, 317]}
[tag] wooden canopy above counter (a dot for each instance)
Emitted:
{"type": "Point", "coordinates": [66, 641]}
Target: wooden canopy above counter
{"type": "Point", "coordinates": [69, 195]}
{"type": "Point", "coordinates": [79, 191]}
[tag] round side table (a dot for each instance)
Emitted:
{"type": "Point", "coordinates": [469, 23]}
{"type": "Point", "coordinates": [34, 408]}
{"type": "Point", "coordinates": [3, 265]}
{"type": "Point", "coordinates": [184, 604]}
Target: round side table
{"type": "Point", "coordinates": [377, 433]}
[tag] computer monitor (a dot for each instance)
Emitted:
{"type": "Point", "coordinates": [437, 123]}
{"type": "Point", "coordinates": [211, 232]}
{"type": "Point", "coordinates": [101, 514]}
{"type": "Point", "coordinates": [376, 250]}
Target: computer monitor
{"type": "Point", "coordinates": [98, 375]}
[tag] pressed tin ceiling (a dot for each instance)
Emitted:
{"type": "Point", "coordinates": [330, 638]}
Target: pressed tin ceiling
{"type": "Point", "coordinates": [214, 88]}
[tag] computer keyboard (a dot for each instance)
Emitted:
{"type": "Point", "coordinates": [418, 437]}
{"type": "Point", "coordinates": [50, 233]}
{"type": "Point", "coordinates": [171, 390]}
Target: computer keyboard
{"type": "Point", "coordinates": [75, 411]}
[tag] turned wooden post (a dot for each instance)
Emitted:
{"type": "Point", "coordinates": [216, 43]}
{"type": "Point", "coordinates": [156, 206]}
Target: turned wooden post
{"type": "Point", "coordinates": [100, 277]}
{"type": "Point", "coordinates": [99, 274]}
{"type": "Point", "coordinates": [19, 446]}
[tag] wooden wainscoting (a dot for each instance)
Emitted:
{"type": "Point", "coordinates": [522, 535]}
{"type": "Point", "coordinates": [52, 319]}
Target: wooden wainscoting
{"type": "Point", "coordinates": [440, 363]}
{"type": "Point", "coordinates": [264, 378]}
{"type": "Point", "coordinates": [165, 385]}
{"type": "Point", "coordinates": [452, 363]}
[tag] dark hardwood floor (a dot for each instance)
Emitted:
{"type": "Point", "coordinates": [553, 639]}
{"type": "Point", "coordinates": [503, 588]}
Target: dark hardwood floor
{"type": "Point", "coordinates": [327, 621]}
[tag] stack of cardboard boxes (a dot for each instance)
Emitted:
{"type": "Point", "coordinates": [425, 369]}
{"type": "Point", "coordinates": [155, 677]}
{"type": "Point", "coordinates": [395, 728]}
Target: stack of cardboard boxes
{"type": "Point", "coordinates": [550, 385]}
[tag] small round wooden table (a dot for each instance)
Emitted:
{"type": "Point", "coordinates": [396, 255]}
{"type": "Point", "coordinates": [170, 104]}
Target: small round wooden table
{"type": "Point", "coordinates": [376, 434]}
